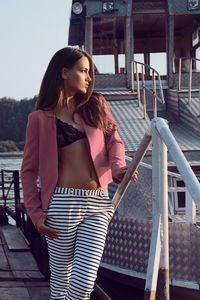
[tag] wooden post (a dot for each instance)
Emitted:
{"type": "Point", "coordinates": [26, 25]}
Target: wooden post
{"type": "Point", "coordinates": [143, 92]}
{"type": "Point", "coordinates": [154, 96]}
{"type": "Point", "coordinates": [138, 84]}
{"type": "Point", "coordinates": [132, 76]}
{"type": "Point", "coordinates": [89, 35]}
{"type": "Point", "coordinates": [179, 74]}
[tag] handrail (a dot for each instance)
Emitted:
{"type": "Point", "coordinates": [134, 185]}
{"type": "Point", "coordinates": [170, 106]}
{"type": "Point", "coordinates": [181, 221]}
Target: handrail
{"type": "Point", "coordinates": [162, 139]}
{"type": "Point", "coordinates": [191, 181]}
{"type": "Point", "coordinates": [145, 88]}
{"type": "Point", "coordinates": [15, 183]}
{"type": "Point", "coordinates": [147, 166]}
{"type": "Point", "coordinates": [132, 168]}
{"type": "Point", "coordinates": [191, 59]}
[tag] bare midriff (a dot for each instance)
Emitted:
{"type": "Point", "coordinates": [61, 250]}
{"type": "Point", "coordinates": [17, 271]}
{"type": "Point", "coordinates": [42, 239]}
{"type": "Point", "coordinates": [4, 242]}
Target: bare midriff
{"type": "Point", "coordinates": [76, 168]}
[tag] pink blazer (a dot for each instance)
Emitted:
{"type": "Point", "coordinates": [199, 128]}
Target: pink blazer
{"type": "Point", "coordinates": [40, 157]}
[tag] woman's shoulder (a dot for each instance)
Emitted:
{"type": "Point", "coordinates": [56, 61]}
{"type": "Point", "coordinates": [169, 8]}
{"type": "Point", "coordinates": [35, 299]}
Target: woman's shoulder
{"type": "Point", "coordinates": [98, 96]}
{"type": "Point", "coordinates": [40, 114]}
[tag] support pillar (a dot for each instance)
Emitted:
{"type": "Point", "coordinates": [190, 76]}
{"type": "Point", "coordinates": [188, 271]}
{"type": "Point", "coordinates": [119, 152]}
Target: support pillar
{"type": "Point", "coordinates": [128, 49]}
{"type": "Point", "coordinates": [170, 48]}
{"type": "Point", "coordinates": [147, 62]}
{"type": "Point", "coordinates": [115, 46]}
{"type": "Point", "coordinates": [89, 35]}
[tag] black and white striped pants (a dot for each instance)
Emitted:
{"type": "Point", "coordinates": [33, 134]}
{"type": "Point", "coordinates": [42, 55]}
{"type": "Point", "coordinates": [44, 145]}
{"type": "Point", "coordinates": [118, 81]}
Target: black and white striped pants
{"type": "Point", "coordinates": [82, 217]}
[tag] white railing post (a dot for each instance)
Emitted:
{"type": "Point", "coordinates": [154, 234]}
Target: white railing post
{"type": "Point", "coordinates": [153, 262]}
{"type": "Point", "coordinates": [160, 206]}
{"type": "Point", "coordinates": [190, 208]}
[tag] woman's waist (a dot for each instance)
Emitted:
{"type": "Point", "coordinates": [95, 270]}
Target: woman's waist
{"type": "Point", "coordinates": [79, 178]}
{"type": "Point", "coordinates": [80, 184]}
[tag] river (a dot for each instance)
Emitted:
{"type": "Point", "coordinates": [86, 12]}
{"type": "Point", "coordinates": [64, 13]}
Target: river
{"type": "Point", "coordinates": [10, 161]}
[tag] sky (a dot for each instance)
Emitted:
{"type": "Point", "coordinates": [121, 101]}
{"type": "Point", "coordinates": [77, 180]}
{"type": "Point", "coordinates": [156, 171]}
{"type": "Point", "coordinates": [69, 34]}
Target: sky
{"type": "Point", "coordinates": [31, 31]}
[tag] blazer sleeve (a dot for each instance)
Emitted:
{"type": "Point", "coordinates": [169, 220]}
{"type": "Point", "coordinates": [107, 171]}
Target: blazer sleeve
{"type": "Point", "coordinates": [115, 148]}
{"type": "Point", "coordinates": [30, 170]}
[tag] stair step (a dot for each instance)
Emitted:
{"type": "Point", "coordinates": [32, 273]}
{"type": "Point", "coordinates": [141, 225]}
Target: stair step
{"type": "Point", "coordinates": [15, 239]}
{"type": "Point", "coordinates": [117, 94]}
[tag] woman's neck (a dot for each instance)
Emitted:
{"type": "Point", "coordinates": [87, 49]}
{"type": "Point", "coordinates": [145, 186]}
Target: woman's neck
{"type": "Point", "coordinates": [68, 103]}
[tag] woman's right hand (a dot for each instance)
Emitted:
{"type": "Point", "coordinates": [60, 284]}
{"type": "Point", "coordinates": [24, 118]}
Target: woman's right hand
{"type": "Point", "coordinates": [43, 229]}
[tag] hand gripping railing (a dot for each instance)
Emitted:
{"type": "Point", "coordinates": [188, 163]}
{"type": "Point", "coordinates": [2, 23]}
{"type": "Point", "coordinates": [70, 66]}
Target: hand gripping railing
{"type": "Point", "coordinates": [146, 69]}
{"type": "Point", "coordinates": [159, 249]}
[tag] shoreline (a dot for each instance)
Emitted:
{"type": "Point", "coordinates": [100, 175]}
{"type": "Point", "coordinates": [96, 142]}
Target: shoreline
{"type": "Point", "coordinates": [6, 154]}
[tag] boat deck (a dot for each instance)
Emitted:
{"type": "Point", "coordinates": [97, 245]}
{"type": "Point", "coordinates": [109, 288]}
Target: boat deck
{"type": "Point", "coordinates": [20, 277]}
{"type": "Point", "coordinates": [132, 126]}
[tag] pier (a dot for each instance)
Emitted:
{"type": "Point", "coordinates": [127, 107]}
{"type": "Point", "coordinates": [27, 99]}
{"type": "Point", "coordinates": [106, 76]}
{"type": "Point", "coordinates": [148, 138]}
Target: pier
{"type": "Point", "coordinates": [20, 277]}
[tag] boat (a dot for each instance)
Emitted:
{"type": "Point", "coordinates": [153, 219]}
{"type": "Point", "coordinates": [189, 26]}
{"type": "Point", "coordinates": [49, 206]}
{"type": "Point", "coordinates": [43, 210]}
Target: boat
{"type": "Point", "coordinates": [140, 98]}
{"type": "Point", "coordinates": [141, 32]}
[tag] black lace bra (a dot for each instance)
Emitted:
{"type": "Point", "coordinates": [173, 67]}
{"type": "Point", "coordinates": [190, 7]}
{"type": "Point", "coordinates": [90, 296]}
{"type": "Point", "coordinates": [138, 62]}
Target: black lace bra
{"type": "Point", "coordinates": [67, 134]}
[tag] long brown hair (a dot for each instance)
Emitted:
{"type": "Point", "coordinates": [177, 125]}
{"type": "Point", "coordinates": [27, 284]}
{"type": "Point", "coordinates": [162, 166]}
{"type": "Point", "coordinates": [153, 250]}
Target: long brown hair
{"type": "Point", "coordinates": [90, 106]}
{"type": "Point", "coordinates": [96, 112]}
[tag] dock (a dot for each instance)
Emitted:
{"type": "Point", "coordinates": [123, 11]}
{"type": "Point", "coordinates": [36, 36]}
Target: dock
{"type": "Point", "coordinates": [20, 277]}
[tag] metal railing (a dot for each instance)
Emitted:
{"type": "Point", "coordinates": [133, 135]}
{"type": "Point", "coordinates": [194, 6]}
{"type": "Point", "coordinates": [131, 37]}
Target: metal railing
{"type": "Point", "coordinates": [189, 209]}
{"type": "Point", "coordinates": [189, 70]}
{"type": "Point", "coordinates": [159, 248]}
{"type": "Point", "coordinates": [145, 71]}
{"type": "Point", "coordinates": [10, 187]}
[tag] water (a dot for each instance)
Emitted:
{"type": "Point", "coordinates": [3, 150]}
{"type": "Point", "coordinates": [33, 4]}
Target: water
{"type": "Point", "coordinates": [11, 161]}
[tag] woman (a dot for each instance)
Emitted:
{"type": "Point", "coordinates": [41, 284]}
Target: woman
{"type": "Point", "coordinates": [73, 144]}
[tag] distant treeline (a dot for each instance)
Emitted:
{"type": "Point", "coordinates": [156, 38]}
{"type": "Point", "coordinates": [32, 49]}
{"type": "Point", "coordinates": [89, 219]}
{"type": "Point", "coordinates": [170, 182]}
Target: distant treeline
{"type": "Point", "coordinates": [13, 120]}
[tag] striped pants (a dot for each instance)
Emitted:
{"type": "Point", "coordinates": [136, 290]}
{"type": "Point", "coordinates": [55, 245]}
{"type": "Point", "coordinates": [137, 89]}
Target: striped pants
{"type": "Point", "coordinates": [82, 217]}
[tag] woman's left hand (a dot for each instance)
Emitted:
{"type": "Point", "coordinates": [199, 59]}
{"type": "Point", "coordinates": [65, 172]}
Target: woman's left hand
{"type": "Point", "coordinates": [119, 174]}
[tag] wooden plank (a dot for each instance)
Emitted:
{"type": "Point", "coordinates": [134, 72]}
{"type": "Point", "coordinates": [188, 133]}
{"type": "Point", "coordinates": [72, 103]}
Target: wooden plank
{"type": "Point", "coordinates": [43, 283]}
{"type": "Point", "coordinates": [28, 275]}
{"type": "Point", "coordinates": [39, 293]}
{"type": "Point", "coordinates": [21, 261]}
{"type": "Point", "coordinates": [6, 275]}
{"type": "Point", "coordinates": [11, 284]}
{"type": "Point", "coordinates": [3, 260]}
{"type": "Point", "coordinates": [15, 239]}
{"type": "Point", "coordinates": [14, 293]}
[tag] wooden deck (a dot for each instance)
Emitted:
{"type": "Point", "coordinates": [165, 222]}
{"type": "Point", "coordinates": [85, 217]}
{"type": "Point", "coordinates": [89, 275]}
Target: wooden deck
{"type": "Point", "coordinates": [20, 277]}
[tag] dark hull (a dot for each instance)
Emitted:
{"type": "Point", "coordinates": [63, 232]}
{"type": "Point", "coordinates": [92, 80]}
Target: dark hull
{"type": "Point", "coordinates": [123, 287]}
